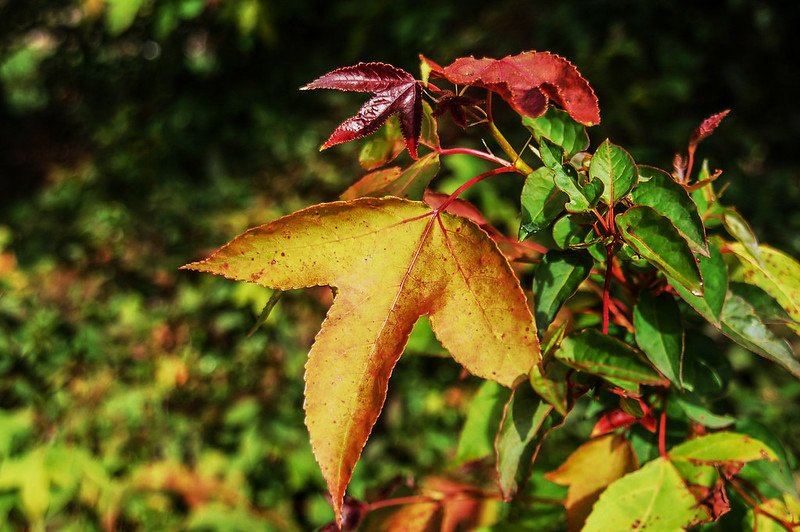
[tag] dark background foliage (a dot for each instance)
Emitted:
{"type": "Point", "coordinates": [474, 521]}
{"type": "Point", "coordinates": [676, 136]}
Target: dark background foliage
{"type": "Point", "coordinates": [137, 134]}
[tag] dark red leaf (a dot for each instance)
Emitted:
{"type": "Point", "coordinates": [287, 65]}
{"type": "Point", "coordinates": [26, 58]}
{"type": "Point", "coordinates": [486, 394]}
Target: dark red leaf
{"type": "Point", "coordinates": [454, 104]}
{"type": "Point", "coordinates": [707, 127]}
{"type": "Point", "coordinates": [395, 90]}
{"type": "Point", "coordinates": [527, 81]}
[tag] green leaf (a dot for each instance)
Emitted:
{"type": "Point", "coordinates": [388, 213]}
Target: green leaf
{"type": "Point", "coordinates": [383, 147]}
{"type": "Point", "coordinates": [551, 385]}
{"type": "Point", "coordinates": [599, 354]}
{"type": "Point", "coordinates": [558, 277]}
{"type": "Point", "coordinates": [483, 418]}
{"type": "Point", "coordinates": [582, 196]}
{"type": "Point", "coordinates": [671, 200]}
{"type": "Point", "coordinates": [777, 474]}
{"type": "Point", "coordinates": [739, 229]}
{"type": "Point", "coordinates": [776, 273]}
{"type": "Point", "coordinates": [767, 307]}
{"type": "Point", "coordinates": [722, 447]}
{"type": "Point", "coordinates": [659, 332]}
{"type": "Point", "coordinates": [740, 323]}
{"type": "Point", "coordinates": [715, 286]}
{"type": "Point", "coordinates": [557, 126]}
{"type": "Point", "coordinates": [616, 169]}
{"type": "Point", "coordinates": [541, 201]}
{"type": "Point", "coordinates": [651, 498]}
{"type": "Point", "coordinates": [655, 238]}
{"type": "Point", "coordinates": [120, 14]}
{"type": "Point", "coordinates": [570, 233]}
{"type": "Point", "coordinates": [694, 410]}
{"type": "Point", "coordinates": [526, 421]}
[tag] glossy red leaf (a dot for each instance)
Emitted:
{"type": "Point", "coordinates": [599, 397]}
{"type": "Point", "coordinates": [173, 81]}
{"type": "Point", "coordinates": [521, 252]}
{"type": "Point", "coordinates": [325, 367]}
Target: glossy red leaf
{"type": "Point", "coordinates": [527, 81]}
{"type": "Point", "coordinates": [707, 127]}
{"type": "Point", "coordinates": [395, 90]}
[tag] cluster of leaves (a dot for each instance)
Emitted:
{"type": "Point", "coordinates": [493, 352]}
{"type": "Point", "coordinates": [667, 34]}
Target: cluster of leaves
{"type": "Point", "coordinates": [638, 273]}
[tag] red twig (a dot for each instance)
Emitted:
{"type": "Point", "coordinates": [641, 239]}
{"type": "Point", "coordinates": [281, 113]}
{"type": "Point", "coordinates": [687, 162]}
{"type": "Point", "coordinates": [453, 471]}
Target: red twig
{"type": "Point", "coordinates": [662, 431]}
{"type": "Point", "coordinates": [607, 287]}
{"type": "Point", "coordinates": [480, 154]}
{"type": "Point", "coordinates": [475, 180]}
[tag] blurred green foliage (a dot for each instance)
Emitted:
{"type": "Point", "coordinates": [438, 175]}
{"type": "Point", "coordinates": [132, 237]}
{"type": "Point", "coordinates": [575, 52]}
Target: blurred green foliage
{"type": "Point", "coordinates": [135, 135]}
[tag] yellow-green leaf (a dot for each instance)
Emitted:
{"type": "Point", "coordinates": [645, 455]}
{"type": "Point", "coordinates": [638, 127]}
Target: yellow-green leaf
{"type": "Point", "coordinates": [778, 275]}
{"type": "Point", "coordinates": [589, 470]}
{"type": "Point", "coordinates": [391, 260]}
{"type": "Point", "coordinates": [722, 447]}
{"type": "Point", "coordinates": [654, 497]}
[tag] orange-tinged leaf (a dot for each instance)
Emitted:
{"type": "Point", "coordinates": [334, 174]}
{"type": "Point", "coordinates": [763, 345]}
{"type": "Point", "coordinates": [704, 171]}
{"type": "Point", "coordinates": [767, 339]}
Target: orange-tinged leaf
{"type": "Point", "coordinates": [589, 470]}
{"type": "Point", "coordinates": [392, 260]}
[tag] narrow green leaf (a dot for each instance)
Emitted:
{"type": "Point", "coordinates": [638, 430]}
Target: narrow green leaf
{"type": "Point", "coordinates": [722, 447]}
{"type": "Point", "coordinates": [739, 229]}
{"type": "Point", "coordinates": [557, 126]}
{"type": "Point", "coordinates": [551, 154]}
{"type": "Point", "coordinates": [616, 169]}
{"type": "Point", "coordinates": [556, 279]}
{"type": "Point", "coordinates": [776, 273]}
{"type": "Point", "coordinates": [654, 497]}
{"type": "Point", "coordinates": [429, 134]}
{"type": "Point", "coordinates": [715, 286]}
{"type": "Point", "coordinates": [694, 410]}
{"type": "Point", "coordinates": [655, 238]}
{"type": "Point", "coordinates": [671, 200]}
{"type": "Point", "coordinates": [526, 421]}
{"type": "Point", "coordinates": [599, 354]}
{"type": "Point", "coordinates": [659, 332]}
{"type": "Point", "coordinates": [541, 201]}
{"type": "Point", "coordinates": [483, 418]}
{"type": "Point", "coordinates": [570, 233]}
{"type": "Point", "coordinates": [550, 383]}
{"type": "Point", "coordinates": [741, 323]}
{"type": "Point", "coordinates": [266, 311]}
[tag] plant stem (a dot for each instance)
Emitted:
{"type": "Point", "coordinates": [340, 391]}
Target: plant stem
{"type": "Point", "coordinates": [662, 430]}
{"type": "Point", "coordinates": [607, 286]}
{"type": "Point", "coordinates": [508, 149]}
{"type": "Point", "coordinates": [757, 509]}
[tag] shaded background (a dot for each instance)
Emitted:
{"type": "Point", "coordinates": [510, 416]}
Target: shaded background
{"type": "Point", "coordinates": [136, 135]}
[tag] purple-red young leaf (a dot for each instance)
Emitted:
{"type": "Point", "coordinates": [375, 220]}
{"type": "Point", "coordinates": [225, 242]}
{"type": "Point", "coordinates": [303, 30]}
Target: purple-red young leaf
{"type": "Point", "coordinates": [707, 127]}
{"type": "Point", "coordinates": [395, 90]}
{"type": "Point", "coordinates": [527, 81]}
